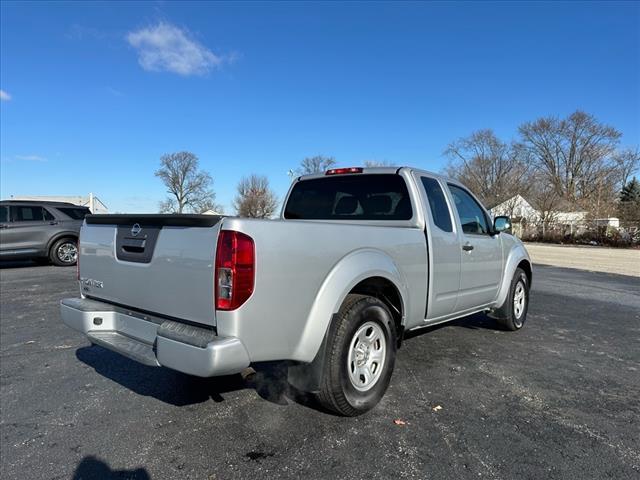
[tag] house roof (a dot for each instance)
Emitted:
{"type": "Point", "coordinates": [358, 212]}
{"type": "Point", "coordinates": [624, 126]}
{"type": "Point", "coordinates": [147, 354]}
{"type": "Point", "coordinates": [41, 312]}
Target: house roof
{"type": "Point", "coordinates": [515, 200]}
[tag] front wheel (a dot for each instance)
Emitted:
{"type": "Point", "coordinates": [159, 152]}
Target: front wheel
{"type": "Point", "coordinates": [64, 252]}
{"type": "Point", "coordinates": [517, 303]}
{"type": "Point", "coordinates": [361, 352]}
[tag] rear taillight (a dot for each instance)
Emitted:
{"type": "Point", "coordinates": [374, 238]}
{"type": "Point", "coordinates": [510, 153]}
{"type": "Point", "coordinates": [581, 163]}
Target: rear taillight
{"type": "Point", "coordinates": [235, 269]}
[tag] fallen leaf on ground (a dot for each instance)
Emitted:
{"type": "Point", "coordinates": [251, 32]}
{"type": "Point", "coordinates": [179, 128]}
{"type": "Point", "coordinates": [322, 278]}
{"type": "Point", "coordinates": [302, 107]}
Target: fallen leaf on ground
{"type": "Point", "coordinates": [437, 408]}
{"type": "Point", "coordinates": [397, 421]}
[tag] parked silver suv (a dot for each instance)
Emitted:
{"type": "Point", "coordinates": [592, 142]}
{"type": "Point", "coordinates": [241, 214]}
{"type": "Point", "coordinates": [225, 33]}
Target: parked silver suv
{"type": "Point", "coordinates": [43, 231]}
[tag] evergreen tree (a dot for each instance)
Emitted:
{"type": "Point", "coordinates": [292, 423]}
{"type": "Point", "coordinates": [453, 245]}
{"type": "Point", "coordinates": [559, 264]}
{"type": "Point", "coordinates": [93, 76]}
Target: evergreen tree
{"type": "Point", "coordinates": [631, 191]}
{"type": "Point", "coordinates": [629, 206]}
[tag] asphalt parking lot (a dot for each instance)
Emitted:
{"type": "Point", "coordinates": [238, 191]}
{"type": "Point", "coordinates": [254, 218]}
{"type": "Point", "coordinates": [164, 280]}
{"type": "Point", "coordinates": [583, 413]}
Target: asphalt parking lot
{"type": "Point", "coordinates": [559, 399]}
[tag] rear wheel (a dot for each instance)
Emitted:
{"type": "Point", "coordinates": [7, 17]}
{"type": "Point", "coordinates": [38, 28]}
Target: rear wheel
{"type": "Point", "coordinates": [361, 353]}
{"type": "Point", "coordinates": [64, 252]}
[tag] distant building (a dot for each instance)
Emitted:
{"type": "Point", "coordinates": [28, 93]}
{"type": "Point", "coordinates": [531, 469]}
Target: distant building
{"type": "Point", "coordinates": [524, 215]}
{"type": "Point", "coordinates": [517, 208]}
{"type": "Point", "coordinates": [608, 222]}
{"type": "Point", "coordinates": [91, 200]}
{"type": "Point", "coordinates": [211, 212]}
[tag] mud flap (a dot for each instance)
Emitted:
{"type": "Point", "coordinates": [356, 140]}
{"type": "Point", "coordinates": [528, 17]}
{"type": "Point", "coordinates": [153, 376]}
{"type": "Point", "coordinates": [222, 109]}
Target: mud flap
{"type": "Point", "coordinates": [306, 377]}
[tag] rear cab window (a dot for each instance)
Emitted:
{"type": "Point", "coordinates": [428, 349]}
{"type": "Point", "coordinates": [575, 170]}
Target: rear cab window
{"type": "Point", "coordinates": [350, 197]}
{"type": "Point", "coordinates": [4, 214]}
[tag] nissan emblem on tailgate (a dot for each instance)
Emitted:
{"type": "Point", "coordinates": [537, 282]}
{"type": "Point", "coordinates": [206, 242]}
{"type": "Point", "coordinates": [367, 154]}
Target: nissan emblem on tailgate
{"type": "Point", "coordinates": [136, 229]}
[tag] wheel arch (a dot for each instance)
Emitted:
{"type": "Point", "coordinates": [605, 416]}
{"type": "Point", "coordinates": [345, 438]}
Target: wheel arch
{"type": "Point", "coordinates": [386, 291]}
{"type": "Point", "coordinates": [381, 279]}
{"type": "Point", "coordinates": [525, 265]}
{"type": "Point", "coordinates": [365, 271]}
{"type": "Point", "coordinates": [60, 236]}
{"type": "Point", "coordinates": [517, 258]}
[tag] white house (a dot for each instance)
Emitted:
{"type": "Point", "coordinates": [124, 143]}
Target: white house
{"type": "Point", "coordinates": [608, 222]}
{"type": "Point", "coordinates": [516, 207]}
{"type": "Point", "coordinates": [523, 214]}
{"type": "Point", "coordinates": [520, 209]}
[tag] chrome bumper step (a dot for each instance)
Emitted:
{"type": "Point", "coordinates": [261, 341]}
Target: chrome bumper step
{"type": "Point", "coordinates": [134, 349]}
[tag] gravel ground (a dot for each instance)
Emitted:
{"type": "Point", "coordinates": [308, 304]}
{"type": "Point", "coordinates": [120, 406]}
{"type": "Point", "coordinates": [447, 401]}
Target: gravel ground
{"type": "Point", "coordinates": [596, 259]}
{"type": "Point", "coordinates": [557, 400]}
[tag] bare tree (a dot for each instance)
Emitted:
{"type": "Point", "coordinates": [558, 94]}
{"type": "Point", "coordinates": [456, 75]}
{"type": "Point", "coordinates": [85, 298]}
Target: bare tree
{"type": "Point", "coordinates": [627, 161]}
{"type": "Point", "coordinates": [189, 188]}
{"type": "Point", "coordinates": [255, 199]}
{"type": "Point", "coordinates": [208, 205]}
{"type": "Point", "coordinates": [509, 206]}
{"type": "Point", "coordinates": [546, 200]}
{"type": "Point", "coordinates": [317, 164]}
{"type": "Point", "coordinates": [493, 169]}
{"type": "Point", "coordinates": [575, 153]}
{"type": "Point", "coordinates": [378, 163]}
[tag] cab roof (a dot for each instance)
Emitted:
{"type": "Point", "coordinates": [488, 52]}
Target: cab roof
{"type": "Point", "coordinates": [377, 170]}
{"type": "Point", "coordinates": [40, 202]}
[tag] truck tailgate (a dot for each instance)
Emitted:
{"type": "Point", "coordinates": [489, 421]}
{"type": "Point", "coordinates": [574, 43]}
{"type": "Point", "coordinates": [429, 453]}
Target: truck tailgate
{"type": "Point", "coordinates": [161, 264]}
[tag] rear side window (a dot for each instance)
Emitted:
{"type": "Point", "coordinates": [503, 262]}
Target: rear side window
{"type": "Point", "coordinates": [350, 197]}
{"type": "Point", "coordinates": [4, 214]}
{"type": "Point", "coordinates": [471, 214]}
{"type": "Point", "coordinates": [75, 213]}
{"type": "Point", "coordinates": [437, 204]}
{"type": "Point", "coordinates": [30, 214]}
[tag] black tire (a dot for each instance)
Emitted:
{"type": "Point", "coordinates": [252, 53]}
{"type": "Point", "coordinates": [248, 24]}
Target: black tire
{"type": "Point", "coordinates": [513, 317]}
{"type": "Point", "coordinates": [338, 392]}
{"type": "Point", "coordinates": [60, 249]}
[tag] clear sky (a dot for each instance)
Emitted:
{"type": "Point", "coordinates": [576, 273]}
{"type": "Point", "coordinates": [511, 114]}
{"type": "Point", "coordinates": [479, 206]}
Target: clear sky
{"type": "Point", "coordinates": [94, 93]}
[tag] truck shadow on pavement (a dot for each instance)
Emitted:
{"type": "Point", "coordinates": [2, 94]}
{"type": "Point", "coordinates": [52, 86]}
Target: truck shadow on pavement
{"type": "Point", "coordinates": [175, 388]}
{"type": "Point", "coordinates": [477, 321]}
{"type": "Point", "coordinates": [269, 382]}
{"type": "Point", "coordinates": [92, 468]}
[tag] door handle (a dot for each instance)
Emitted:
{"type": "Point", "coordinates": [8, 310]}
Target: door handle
{"type": "Point", "coordinates": [467, 247]}
{"type": "Point", "coordinates": [53, 223]}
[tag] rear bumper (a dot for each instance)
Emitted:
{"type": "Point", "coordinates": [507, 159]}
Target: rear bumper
{"type": "Point", "coordinates": [155, 341]}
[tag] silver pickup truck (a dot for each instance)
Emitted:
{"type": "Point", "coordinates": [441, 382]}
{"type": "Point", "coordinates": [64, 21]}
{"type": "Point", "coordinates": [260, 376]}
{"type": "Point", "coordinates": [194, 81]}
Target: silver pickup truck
{"type": "Point", "coordinates": [358, 257]}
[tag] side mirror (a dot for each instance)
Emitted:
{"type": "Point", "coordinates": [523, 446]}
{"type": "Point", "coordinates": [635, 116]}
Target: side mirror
{"type": "Point", "coordinates": [502, 224]}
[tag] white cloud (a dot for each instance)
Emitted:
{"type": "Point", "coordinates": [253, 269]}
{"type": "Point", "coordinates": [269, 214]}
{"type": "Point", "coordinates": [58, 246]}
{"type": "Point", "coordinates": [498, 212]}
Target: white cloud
{"type": "Point", "coordinates": [4, 96]}
{"type": "Point", "coordinates": [165, 47]}
{"type": "Point", "coordinates": [31, 158]}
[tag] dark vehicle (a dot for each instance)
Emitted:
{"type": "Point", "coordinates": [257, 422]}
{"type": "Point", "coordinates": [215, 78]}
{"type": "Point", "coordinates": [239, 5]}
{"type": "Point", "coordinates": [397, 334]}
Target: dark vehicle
{"type": "Point", "coordinates": [43, 231]}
